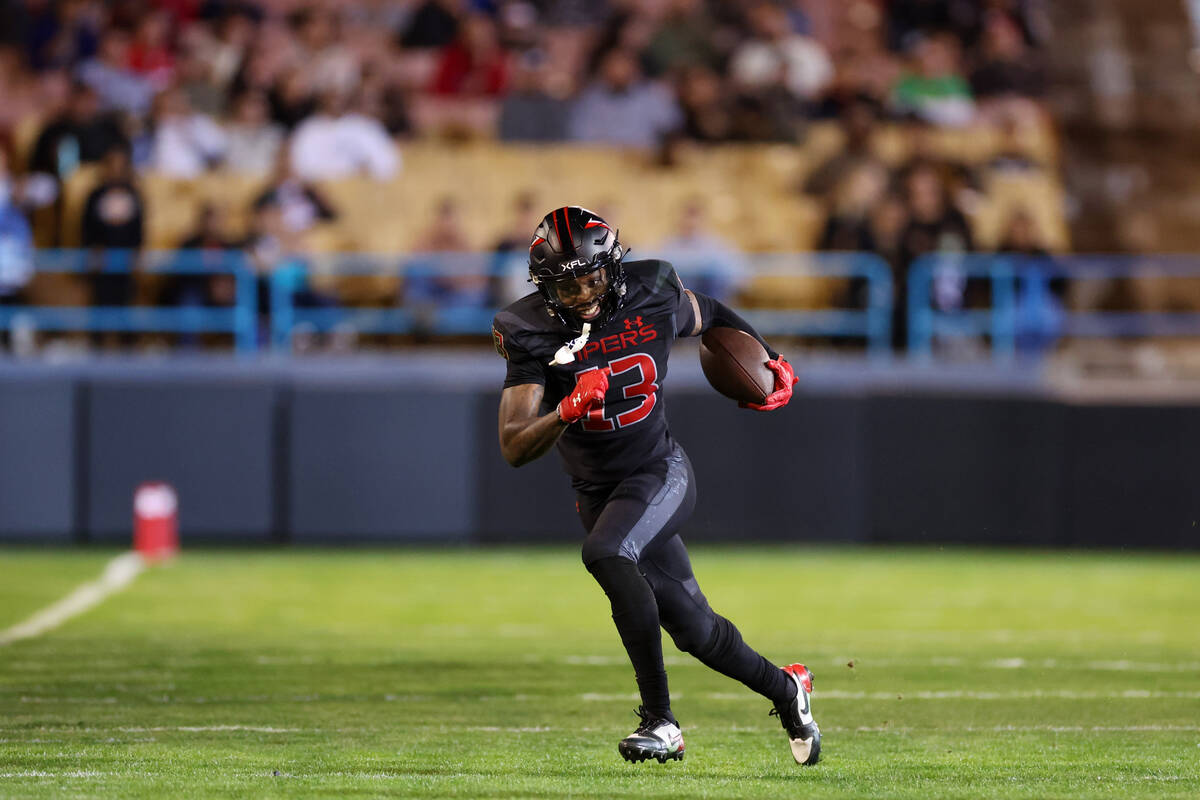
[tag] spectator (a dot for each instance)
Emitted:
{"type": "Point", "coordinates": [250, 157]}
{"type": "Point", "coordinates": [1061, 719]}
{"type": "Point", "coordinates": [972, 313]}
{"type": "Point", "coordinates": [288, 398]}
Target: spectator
{"type": "Point", "coordinates": [60, 35]}
{"type": "Point", "coordinates": [209, 244]}
{"type": "Point", "coordinates": [330, 64]}
{"type": "Point", "coordinates": [82, 134]}
{"type": "Point", "coordinates": [934, 90]}
{"type": "Point", "coordinates": [708, 262]}
{"type": "Point", "coordinates": [434, 24]}
{"type": "Point", "coordinates": [536, 108]}
{"type": "Point", "coordinates": [768, 113]}
{"type": "Point", "coordinates": [274, 253]}
{"type": "Point", "coordinates": [1012, 154]}
{"type": "Point", "coordinates": [112, 220]}
{"type": "Point", "coordinates": [684, 38]}
{"type": "Point", "coordinates": [909, 20]}
{"type": "Point", "coordinates": [150, 54]}
{"type": "Point", "coordinates": [213, 66]}
{"type": "Point", "coordinates": [184, 144]}
{"type": "Point", "coordinates": [889, 219]}
{"type": "Point", "coordinates": [859, 122]}
{"type": "Point", "coordinates": [292, 99]}
{"type": "Point", "coordinates": [524, 207]}
{"type": "Point", "coordinates": [848, 226]}
{"type": "Point", "coordinates": [707, 113]}
{"type": "Point", "coordinates": [623, 109]}
{"type": "Point", "coordinates": [508, 270]}
{"type": "Point", "coordinates": [474, 65]}
{"type": "Point", "coordinates": [253, 141]}
{"type": "Point", "coordinates": [441, 276]}
{"type": "Point", "coordinates": [1041, 293]}
{"type": "Point", "coordinates": [194, 78]}
{"type": "Point", "coordinates": [226, 56]}
{"type": "Point", "coordinates": [1007, 66]}
{"type": "Point", "coordinates": [23, 93]}
{"type": "Point", "coordinates": [934, 223]}
{"type": "Point", "coordinates": [337, 142]}
{"type": "Point", "coordinates": [864, 73]}
{"type": "Point", "coordinates": [297, 203]}
{"type": "Point", "coordinates": [385, 99]}
{"type": "Point", "coordinates": [16, 242]}
{"type": "Point", "coordinates": [776, 53]}
{"type": "Point", "coordinates": [118, 86]}
{"type": "Point", "coordinates": [446, 233]}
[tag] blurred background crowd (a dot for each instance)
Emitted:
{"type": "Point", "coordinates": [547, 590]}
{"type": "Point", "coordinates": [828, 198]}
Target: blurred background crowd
{"type": "Point", "coordinates": [705, 129]}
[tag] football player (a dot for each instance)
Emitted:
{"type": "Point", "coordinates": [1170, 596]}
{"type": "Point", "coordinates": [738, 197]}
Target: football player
{"type": "Point", "coordinates": [587, 358]}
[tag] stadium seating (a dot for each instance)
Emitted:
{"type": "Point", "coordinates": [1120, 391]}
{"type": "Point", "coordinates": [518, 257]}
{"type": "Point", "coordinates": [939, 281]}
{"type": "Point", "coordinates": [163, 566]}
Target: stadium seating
{"type": "Point", "coordinates": [751, 190]}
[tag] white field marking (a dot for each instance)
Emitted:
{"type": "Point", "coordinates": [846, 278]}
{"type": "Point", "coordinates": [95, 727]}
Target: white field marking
{"type": "Point", "coordinates": [496, 729]}
{"type": "Point", "coordinates": [81, 700]}
{"type": "Point", "coordinates": [1012, 662]}
{"type": "Point", "coordinates": [594, 697]}
{"type": "Point", "coordinates": [210, 728]}
{"type": "Point", "coordinates": [622, 661]}
{"type": "Point", "coordinates": [118, 574]}
{"type": "Point", "coordinates": [75, 773]}
{"type": "Point", "coordinates": [949, 694]}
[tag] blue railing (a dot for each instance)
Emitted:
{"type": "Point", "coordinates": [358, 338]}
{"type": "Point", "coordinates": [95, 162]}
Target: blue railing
{"type": "Point", "coordinates": [456, 294]}
{"type": "Point", "coordinates": [437, 294]}
{"type": "Point", "coordinates": [1025, 314]}
{"type": "Point", "coordinates": [443, 294]}
{"type": "Point", "coordinates": [238, 320]}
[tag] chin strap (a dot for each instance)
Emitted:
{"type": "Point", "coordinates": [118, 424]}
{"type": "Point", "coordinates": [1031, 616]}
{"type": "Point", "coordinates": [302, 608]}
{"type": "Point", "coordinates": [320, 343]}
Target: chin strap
{"type": "Point", "coordinates": [566, 353]}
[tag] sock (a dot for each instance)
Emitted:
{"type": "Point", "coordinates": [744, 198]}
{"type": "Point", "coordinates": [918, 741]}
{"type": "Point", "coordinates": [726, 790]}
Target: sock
{"type": "Point", "coordinates": [635, 612]}
{"type": "Point", "coordinates": [729, 655]}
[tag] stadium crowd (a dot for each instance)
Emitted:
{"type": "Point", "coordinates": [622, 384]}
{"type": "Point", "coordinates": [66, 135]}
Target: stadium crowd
{"type": "Point", "coordinates": [305, 91]}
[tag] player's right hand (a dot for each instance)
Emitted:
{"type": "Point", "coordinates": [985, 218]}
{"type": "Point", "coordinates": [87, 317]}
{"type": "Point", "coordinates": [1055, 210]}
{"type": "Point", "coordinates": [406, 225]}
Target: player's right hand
{"type": "Point", "coordinates": [589, 391]}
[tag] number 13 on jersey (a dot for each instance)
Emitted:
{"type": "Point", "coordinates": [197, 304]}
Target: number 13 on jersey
{"type": "Point", "coordinates": [643, 388]}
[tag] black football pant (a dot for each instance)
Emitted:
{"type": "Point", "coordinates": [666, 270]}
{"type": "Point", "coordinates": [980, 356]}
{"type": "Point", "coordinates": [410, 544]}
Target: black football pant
{"type": "Point", "coordinates": [634, 552]}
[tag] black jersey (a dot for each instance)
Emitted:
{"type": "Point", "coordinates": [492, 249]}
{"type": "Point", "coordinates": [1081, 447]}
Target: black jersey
{"type": "Point", "coordinates": [631, 429]}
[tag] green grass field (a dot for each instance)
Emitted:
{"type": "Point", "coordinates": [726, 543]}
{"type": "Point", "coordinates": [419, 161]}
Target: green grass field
{"type": "Point", "coordinates": [407, 673]}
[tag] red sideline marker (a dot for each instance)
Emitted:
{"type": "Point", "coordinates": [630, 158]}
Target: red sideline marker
{"type": "Point", "coordinates": [156, 520]}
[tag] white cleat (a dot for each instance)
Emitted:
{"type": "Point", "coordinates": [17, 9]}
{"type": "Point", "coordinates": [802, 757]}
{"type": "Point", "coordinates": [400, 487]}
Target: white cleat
{"type": "Point", "coordinates": [654, 738]}
{"type": "Point", "coordinates": [803, 734]}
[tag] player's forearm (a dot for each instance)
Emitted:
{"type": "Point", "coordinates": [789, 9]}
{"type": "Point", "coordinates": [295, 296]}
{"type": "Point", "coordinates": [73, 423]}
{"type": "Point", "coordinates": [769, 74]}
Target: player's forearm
{"type": "Point", "coordinates": [531, 439]}
{"type": "Point", "coordinates": [714, 313]}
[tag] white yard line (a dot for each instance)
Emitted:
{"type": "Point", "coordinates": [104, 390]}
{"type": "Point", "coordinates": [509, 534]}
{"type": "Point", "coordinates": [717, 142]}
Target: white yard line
{"type": "Point", "coordinates": [118, 574]}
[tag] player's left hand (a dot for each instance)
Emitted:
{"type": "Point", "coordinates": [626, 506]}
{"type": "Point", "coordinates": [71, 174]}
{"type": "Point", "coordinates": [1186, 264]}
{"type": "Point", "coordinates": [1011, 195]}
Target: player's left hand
{"type": "Point", "coordinates": [785, 379]}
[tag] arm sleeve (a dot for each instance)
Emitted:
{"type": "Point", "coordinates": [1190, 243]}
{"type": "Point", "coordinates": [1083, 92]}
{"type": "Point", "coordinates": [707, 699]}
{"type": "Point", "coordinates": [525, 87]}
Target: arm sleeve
{"type": "Point", "coordinates": [714, 313]}
{"type": "Point", "coordinates": [522, 367]}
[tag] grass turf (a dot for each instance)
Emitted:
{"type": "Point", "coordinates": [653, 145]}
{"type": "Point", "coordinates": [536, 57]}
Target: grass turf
{"type": "Point", "coordinates": [497, 674]}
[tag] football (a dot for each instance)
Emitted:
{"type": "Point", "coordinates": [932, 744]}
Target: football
{"type": "Point", "coordinates": [736, 365]}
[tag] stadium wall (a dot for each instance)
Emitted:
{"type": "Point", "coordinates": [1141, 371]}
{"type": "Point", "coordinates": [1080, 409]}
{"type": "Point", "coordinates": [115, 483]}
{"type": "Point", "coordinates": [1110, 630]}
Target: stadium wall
{"type": "Point", "coordinates": [383, 452]}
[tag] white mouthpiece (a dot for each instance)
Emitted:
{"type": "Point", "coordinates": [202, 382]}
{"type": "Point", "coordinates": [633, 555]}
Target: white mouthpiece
{"type": "Point", "coordinates": [566, 353]}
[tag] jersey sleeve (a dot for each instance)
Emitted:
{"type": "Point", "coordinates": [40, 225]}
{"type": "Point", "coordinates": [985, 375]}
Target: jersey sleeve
{"type": "Point", "coordinates": [668, 295]}
{"type": "Point", "coordinates": [522, 366]}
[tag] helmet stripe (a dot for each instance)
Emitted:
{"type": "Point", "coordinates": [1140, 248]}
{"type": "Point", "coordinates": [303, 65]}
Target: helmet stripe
{"type": "Point", "coordinates": [570, 239]}
{"type": "Point", "coordinates": [558, 233]}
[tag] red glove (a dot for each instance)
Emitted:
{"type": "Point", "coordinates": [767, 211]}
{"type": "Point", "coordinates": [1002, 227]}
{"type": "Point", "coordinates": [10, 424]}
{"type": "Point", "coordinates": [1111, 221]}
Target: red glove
{"type": "Point", "coordinates": [785, 379]}
{"type": "Point", "coordinates": [590, 387]}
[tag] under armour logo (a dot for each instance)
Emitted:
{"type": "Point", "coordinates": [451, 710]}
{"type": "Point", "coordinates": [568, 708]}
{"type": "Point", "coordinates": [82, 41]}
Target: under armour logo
{"type": "Point", "coordinates": [632, 324]}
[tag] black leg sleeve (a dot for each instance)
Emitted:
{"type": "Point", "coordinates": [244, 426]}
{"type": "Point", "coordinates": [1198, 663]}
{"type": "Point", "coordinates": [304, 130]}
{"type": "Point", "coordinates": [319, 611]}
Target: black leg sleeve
{"type": "Point", "coordinates": [635, 612]}
{"type": "Point", "coordinates": [698, 630]}
{"type": "Point", "coordinates": [729, 655]}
